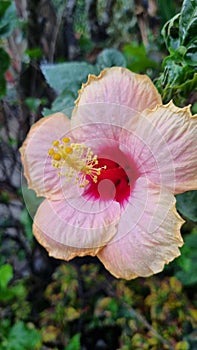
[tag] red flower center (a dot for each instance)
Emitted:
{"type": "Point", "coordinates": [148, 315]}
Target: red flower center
{"type": "Point", "coordinates": [117, 180]}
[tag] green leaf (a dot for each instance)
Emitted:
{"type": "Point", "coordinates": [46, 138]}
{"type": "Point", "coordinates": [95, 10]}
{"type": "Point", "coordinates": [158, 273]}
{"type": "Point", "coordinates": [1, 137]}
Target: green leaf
{"type": "Point", "coordinates": [6, 274]}
{"type": "Point", "coordinates": [32, 202]}
{"type": "Point", "coordinates": [34, 53]}
{"type": "Point", "coordinates": [188, 22]}
{"type": "Point", "coordinates": [191, 54]}
{"type": "Point", "coordinates": [19, 291]}
{"type": "Point", "coordinates": [4, 4]}
{"type": "Point", "coordinates": [33, 103]}
{"type": "Point", "coordinates": [5, 62]}
{"type": "Point", "coordinates": [63, 103]}
{"type": "Point", "coordinates": [166, 10]}
{"type": "Point", "coordinates": [177, 81]}
{"type": "Point", "coordinates": [8, 292]}
{"type": "Point", "coordinates": [8, 19]}
{"type": "Point", "coordinates": [137, 58]}
{"type": "Point", "coordinates": [6, 295]}
{"type": "Point", "coordinates": [188, 260]}
{"type": "Point", "coordinates": [179, 92]}
{"type": "Point", "coordinates": [170, 33]}
{"type": "Point", "coordinates": [180, 34]}
{"type": "Point", "coordinates": [74, 343]}
{"type": "Point", "coordinates": [194, 107]}
{"type": "Point", "coordinates": [62, 76]}
{"type": "Point", "coordinates": [186, 204]}
{"type": "Point", "coordinates": [26, 221]}
{"type": "Point", "coordinates": [22, 337]}
{"type": "Point", "coordinates": [184, 89]}
{"type": "Point", "coordinates": [2, 86]}
{"type": "Point", "coordinates": [110, 58]}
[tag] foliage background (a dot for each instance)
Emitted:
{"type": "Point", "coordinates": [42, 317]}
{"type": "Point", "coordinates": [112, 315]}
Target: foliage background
{"type": "Point", "coordinates": [47, 49]}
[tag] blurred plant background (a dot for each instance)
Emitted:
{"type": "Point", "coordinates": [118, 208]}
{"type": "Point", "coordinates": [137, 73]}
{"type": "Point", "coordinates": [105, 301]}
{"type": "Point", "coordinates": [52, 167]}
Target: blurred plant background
{"type": "Point", "coordinates": [47, 50]}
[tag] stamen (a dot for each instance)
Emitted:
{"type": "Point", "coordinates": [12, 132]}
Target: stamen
{"type": "Point", "coordinates": [51, 151]}
{"type": "Point", "coordinates": [66, 139]}
{"type": "Point", "coordinates": [56, 156]}
{"type": "Point", "coordinates": [55, 143]}
{"type": "Point", "coordinates": [69, 150]}
{"type": "Point", "coordinates": [75, 160]}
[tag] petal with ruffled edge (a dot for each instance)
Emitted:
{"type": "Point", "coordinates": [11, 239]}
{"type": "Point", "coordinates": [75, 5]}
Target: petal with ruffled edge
{"type": "Point", "coordinates": [66, 230]}
{"type": "Point", "coordinates": [178, 129]}
{"type": "Point", "coordinates": [40, 174]}
{"type": "Point", "coordinates": [119, 85]}
{"type": "Point", "coordinates": [148, 234]}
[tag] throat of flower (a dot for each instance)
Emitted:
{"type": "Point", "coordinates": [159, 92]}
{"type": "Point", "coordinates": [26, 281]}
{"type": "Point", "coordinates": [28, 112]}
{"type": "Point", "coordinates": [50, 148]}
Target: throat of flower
{"type": "Point", "coordinates": [75, 161]}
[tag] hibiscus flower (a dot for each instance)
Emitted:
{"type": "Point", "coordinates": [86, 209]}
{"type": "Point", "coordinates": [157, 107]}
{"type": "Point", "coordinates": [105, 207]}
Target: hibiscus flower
{"type": "Point", "coordinates": [109, 175]}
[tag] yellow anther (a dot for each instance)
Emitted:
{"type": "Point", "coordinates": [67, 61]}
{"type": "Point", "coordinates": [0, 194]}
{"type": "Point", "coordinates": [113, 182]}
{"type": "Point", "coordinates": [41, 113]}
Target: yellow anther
{"type": "Point", "coordinates": [69, 150]}
{"type": "Point", "coordinates": [56, 156]}
{"type": "Point", "coordinates": [55, 143]}
{"type": "Point", "coordinates": [75, 161]}
{"type": "Point", "coordinates": [66, 139]}
{"type": "Point", "coordinates": [51, 151]}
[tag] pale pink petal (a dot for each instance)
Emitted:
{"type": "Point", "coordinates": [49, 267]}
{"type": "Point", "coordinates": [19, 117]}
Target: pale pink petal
{"type": "Point", "coordinates": [148, 233]}
{"type": "Point", "coordinates": [57, 250]}
{"type": "Point", "coordinates": [100, 121]}
{"type": "Point", "coordinates": [118, 85]}
{"type": "Point", "coordinates": [65, 228]}
{"type": "Point", "coordinates": [178, 129]}
{"type": "Point", "coordinates": [144, 143]}
{"type": "Point", "coordinates": [40, 174]}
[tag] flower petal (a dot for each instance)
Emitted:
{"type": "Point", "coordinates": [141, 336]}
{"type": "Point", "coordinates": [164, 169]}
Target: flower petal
{"type": "Point", "coordinates": [40, 174]}
{"type": "Point", "coordinates": [100, 121]}
{"type": "Point", "coordinates": [144, 143]}
{"type": "Point", "coordinates": [178, 128]}
{"type": "Point", "coordinates": [148, 234]}
{"type": "Point", "coordinates": [119, 85]}
{"type": "Point", "coordinates": [67, 230]}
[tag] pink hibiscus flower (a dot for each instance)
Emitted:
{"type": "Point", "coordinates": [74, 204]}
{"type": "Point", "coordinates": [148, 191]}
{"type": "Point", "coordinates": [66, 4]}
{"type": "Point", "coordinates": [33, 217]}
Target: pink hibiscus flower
{"type": "Point", "coordinates": [109, 175]}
